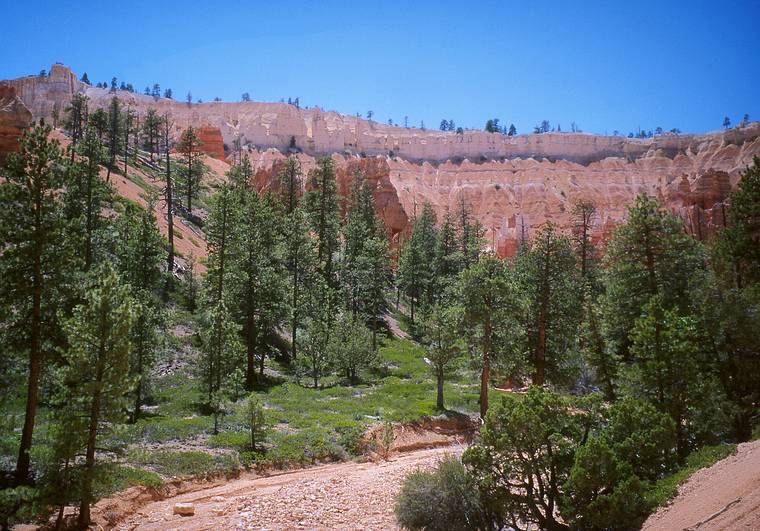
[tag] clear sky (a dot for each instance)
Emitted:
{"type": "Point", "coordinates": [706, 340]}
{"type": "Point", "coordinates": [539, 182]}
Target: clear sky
{"type": "Point", "coordinates": [607, 65]}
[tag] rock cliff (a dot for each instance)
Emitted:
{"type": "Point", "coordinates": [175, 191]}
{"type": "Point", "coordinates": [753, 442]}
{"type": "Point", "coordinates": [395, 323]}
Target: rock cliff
{"type": "Point", "coordinates": [513, 184]}
{"type": "Point", "coordinates": [14, 117]}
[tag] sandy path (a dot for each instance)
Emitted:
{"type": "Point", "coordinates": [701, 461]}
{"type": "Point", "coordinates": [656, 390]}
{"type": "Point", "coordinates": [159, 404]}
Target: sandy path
{"type": "Point", "coordinates": [340, 496]}
{"type": "Point", "coordinates": [723, 496]}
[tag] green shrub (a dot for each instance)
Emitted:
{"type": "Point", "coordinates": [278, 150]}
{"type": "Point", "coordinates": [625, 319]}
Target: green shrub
{"type": "Point", "coordinates": [172, 463]}
{"type": "Point", "coordinates": [446, 498]}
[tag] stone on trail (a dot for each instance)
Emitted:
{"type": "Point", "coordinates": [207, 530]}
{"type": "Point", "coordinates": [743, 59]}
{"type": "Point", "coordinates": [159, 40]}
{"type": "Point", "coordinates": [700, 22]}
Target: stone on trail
{"type": "Point", "coordinates": [184, 509]}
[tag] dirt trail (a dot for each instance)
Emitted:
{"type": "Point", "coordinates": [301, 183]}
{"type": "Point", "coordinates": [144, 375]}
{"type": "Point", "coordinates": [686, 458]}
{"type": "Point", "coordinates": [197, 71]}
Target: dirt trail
{"type": "Point", "coordinates": [724, 496]}
{"type": "Point", "coordinates": [338, 496]}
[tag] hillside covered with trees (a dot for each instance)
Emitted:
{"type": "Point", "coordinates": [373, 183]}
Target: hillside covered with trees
{"type": "Point", "coordinates": [598, 373]}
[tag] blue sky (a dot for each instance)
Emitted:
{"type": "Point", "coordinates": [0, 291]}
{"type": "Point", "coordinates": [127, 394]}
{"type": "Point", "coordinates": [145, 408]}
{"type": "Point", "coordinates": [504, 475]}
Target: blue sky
{"type": "Point", "coordinates": [607, 65]}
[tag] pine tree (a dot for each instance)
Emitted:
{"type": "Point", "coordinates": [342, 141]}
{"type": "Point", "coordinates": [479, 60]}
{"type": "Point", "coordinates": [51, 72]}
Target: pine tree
{"type": "Point", "coordinates": [491, 305]}
{"type": "Point", "coordinates": [129, 125]}
{"type": "Point", "coordinates": [441, 334]}
{"type": "Point", "coordinates": [350, 347]}
{"type": "Point", "coordinates": [322, 209]}
{"type": "Point", "coordinates": [84, 200]}
{"type": "Point", "coordinates": [76, 120]}
{"type": "Point", "coordinates": [416, 274]}
{"type": "Point", "coordinates": [261, 290]}
{"type": "Point", "coordinates": [300, 260]}
{"type": "Point", "coordinates": [85, 79]}
{"type": "Point", "coordinates": [114, 134]}
{"type": "Point", "coordinates": [151, 128]}
{"type": "Point", "coordinates": [221, 349]}
{"type": "Point", "coordinates": [98, 121]}
{"type": "Point", "coordinates": [168, 196]}
{"type": "Point", "coordinates": [222, 241]}
{"type": "Point", "coordinates": [549, 283]}
{"type": "Point", "coordinates": [96, 368]}
{"type": "Point", "coordinates": [448, 256]}
{"type": "Point", "coordinates": [139, 254]}
{"type": "Point", "coordinates": [670, 372]}
{"type": "Point", "coordinates": [33, 257]}
{"type": "Point", "coordinates": [470, 233]}
{"type": "Point", "coordinates": [583, 214]}
{"type": "Point", "coordinates": [189, 146]}
{"type": "Point", "coordinates": [374, 269]}
{"type": "Point", "coordinates": [361, 226]}
{"type": "Point", "coordinates": [648, 255]}
{"type": "Point", "coordinates": [290, 184]}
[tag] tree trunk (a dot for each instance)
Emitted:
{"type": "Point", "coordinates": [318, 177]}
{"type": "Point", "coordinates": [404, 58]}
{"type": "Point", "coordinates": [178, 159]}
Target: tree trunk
{"type": "Point", "coordinates": [250, 343]}
{"type": "Point", "coordinates": [35, 355]}
{"type": "Point", "coordinates": [92, 433]}
{"type": "Point", "coordinates": [439, 398]}
{"type": "Point", "coordinates": [169, 203]}
{"type": "Point", "coordinates": [485, 374]}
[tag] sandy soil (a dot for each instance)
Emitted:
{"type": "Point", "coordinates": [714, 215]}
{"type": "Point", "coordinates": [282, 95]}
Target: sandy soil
{"type": "Point", "coordinates": [724, 496]}
{"type": "Point", "coordinates": [339, 496]}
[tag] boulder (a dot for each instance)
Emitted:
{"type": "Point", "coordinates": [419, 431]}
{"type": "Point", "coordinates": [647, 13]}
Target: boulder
{"type": "Point", "coordinates": [184, 509]}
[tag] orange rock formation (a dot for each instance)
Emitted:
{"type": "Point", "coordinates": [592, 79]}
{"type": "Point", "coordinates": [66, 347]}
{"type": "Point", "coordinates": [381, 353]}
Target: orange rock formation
{"type": "Point", "coordinates": [514, 184]}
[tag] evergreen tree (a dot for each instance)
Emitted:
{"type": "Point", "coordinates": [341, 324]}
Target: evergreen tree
{"type": "Point", "coordinates": [470, 233]}
{"type": "Point", "coordinates": [491, 304]}
{"type": "Point", "coordinates": [512, 130]}
{"type": "Point", "coordinates": [584, 213]}
{"type": "Point", "coordinates": [671, 373]}
{"type": "Point", "coordinates": [548, 282]}
{"type": "Point", "coordinates": [85, 79]}
{"type": "Point", "coordinates": [33, 257]}
{"type": "Point", "coordinates": [322, 209]}
{"type": "Point", "coordinates": [374, 277]}
{"type": "Point", "coordinates": [151, 128]}
{"type": "Point", "coordinates": [448, 256]}
{"type": "Point", "coordinates": [648, 255]}
{"type": "Point", "coordinates": [139, 254]}
{"type": "Point", "coordinates": [300, 259]}
{"type": "Point", "coordinates": [441, 334]}
{"type": "Point", "coordinates": [98, 121]}
{"type": "Point", "coordinates": [220, 353]}
{"type": "Point", "coordinates": [222, 241]}
{"type": "Point", "coordinates": [76, 120]}
{"type": "Point", "coordinates": [189, 146]}
{"type": "Point", "coordinates": [114, 134]}
{"type": "Point", "coordinates": [129, 126]}
{"type": "Point", "coordinates": [84, 199]}
{"type": "Point", "coordinates": [96, 369]}
{"type": "Point", "coordinates": [350, 347]}
{"type": "Point", "coordinates": [416, 273]}
{"type": "Point", "coordinates": [168, 195]}
{"type": "Point", "coordinates": [290, 184]}
{"type": "Point", "coordinates": [261, 290]}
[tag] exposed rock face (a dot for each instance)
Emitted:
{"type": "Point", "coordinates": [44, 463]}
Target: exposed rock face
{"type": "Point", "coordinates": [212, 141]}
{"type": "Point", "coordinates": [268, 164]}
{"type": "Point", "coordinates": [14, 118]}
{"type": "Point", "coordinates": [42, 95]}
{"type": "Point", "coordinates": [514, 184]}
{"type": "Point", "coordinates": [516, 196]}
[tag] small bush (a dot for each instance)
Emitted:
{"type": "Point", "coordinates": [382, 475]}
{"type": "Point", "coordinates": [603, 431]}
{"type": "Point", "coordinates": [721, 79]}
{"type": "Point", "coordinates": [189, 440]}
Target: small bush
{"type": "Point", "coordinates": [443, 499]}
{"type": "Point", "coordinates": [172, 463]}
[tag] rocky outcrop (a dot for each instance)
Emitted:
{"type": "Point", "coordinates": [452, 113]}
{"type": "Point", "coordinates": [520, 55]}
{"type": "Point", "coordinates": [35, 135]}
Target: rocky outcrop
{"type": "Point", "coordinates": [212, 143]}
{"type": "Point", "coordinates": [268, 164]}
{"type": "Point", "coordinates": [513, 184]}
{"type": "Point", "coordinates": [42, 95]}
{"type": "Point", "coordinates": [14, 118]}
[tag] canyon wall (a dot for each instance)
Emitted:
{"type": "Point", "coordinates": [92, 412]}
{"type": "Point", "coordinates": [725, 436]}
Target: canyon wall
{"type": "Point", "coordinates": [513, 184]}
{"type": "Point", "coordinates": [14, 118]}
